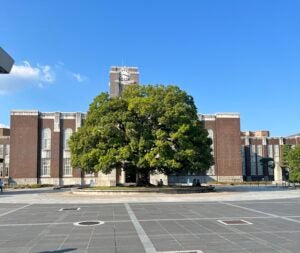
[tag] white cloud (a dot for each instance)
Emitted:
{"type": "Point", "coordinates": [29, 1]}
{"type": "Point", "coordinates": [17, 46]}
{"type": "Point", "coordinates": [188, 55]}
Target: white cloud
{"type": "Point", "coordinates": [3, 126]}
{"type": "Point", "coordinates": [79, 78]}
{"type": "Point", "coordinates": [26, 75]}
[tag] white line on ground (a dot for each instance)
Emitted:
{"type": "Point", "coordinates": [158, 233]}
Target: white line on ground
{"type": "Point", "coordinates": [250, 209]}
{"type": "Point", "coordinates": [147, 244]}
{"type": "Point", "coordinates": [35, 224]}
{"type": "Point", "coordinates": [14, 210]}
{"type": "Point", "coordinates": [261, 212]}
{"type": "Point", "coordinates": [152, 220]}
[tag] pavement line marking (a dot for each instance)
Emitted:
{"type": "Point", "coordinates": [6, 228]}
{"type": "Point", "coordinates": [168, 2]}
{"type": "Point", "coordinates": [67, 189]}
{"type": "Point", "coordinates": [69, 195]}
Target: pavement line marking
{"type": "Point", "coordinates": [147, 244]}
{"type": "Point", "coordinates": [250, 209]}
{"type": "Point", "coordinates": [261, 212]}
{"type": "Point", "coordinates": [151, 220]}
{"type": "Point", "coordinates": [290, 219]}
{"type": "Point", "coordinates": [35, 224]}
{"type": "Point", "coordinates": [14, 210]}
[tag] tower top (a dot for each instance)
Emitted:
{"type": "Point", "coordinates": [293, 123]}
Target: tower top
{"type": "Point", "coordinates": [120, 77]}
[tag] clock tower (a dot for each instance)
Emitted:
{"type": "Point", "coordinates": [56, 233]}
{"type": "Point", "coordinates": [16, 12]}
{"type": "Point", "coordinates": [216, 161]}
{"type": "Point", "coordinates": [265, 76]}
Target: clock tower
{"type": "Point", "coordinates": [120, 77]}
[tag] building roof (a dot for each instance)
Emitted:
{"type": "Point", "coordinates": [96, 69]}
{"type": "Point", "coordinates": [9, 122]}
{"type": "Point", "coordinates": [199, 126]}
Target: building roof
{"type": "Point", "coordinates": [294, 135]}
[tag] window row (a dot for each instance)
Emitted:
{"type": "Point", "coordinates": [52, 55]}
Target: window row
{"type": "Point", "coordinates": [256, 154]}
{"type": "Point", "coordinates": [46, 153]}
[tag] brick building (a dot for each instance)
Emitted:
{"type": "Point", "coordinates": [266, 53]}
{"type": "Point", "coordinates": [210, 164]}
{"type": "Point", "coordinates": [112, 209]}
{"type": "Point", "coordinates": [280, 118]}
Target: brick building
{"type": "Point", "coordinates": [39, 151]}
{"type": "Point", "coordinates": [259, 144]}
{"type": "Point", "coordinates": [4, 151]}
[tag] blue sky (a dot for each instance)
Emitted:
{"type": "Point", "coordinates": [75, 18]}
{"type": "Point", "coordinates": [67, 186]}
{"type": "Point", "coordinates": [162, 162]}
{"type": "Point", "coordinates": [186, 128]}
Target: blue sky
{"type": "Point", "coordinates": [231, 56]}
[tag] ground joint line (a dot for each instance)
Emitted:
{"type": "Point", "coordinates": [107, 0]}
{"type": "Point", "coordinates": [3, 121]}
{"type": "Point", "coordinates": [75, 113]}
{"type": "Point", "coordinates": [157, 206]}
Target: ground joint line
{"type": "Point", "coordinates": [261, 212]}
{"type": "Point", "coordinates": [14, 210]}
{"type": "Point", "coordinates": [147, 244]}
{"type": "Point", "coordinates": [250, 209]}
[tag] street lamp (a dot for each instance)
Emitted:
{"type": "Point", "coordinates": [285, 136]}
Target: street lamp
{"type": "Point", "coordinates": [6, 62]}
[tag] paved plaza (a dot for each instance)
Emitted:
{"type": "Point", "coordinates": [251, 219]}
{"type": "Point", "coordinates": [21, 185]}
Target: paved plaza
{"type": "Point", "coordinates": [200, 226]}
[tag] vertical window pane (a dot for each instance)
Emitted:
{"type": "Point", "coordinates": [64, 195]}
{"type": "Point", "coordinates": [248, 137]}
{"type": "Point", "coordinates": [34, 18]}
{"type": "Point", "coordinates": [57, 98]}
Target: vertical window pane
{"type": "Point", "coordinates": [67, 134]}
{"type": "Point", "coordinates": [46, 152]}
{"type": "Point", "coordinates": [276, 153]}
{"type": "Point", "coordinates": [243, 161]}
{"type": "Point", "coordinates": [7, 149]}
{"type": "Point", "coordinates": [46, 138]}
{"type": "Point", "coordinates": [1, 170]}
{"type": "Point", "coordinates": [270, 151]}
{"type": "Point", "coordinates": [259, 157]}
{"type": "Point", "coordinates": [211, 170]}
{"type": "Point", "coordinates": [67, 169]}
{"type": "Point", "coordinates": [253, 160]}
{"type": "Point", "coordinates": [1, 151]}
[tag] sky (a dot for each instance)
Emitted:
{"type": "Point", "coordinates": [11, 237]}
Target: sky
{"type": "Point", "coordinates": [231, 56]}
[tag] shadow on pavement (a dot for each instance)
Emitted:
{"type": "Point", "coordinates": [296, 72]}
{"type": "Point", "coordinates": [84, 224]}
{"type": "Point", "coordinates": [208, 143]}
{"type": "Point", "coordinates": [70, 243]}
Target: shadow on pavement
{"type": "Point", "coordinates": [10, 192]}
{"type": "Point", "coordinates": [58, 251]}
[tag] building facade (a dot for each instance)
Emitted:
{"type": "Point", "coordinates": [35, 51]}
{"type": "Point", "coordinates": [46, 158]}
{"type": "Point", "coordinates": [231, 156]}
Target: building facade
{"type": "Point", "coordinates": [39, 151]}
{"type": "Point", "coordinates": [36, 150]}
{"type": "Point", "coordinates": [258, 145]}
{"type": "Point", "coordinates": [4, 152]}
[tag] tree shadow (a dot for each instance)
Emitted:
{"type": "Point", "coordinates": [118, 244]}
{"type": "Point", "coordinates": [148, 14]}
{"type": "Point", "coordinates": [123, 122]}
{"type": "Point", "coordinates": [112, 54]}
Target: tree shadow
{"type": "Point", "coordinates": [10, 192]}
{"type": "Point", "coordinates": [58, 251]}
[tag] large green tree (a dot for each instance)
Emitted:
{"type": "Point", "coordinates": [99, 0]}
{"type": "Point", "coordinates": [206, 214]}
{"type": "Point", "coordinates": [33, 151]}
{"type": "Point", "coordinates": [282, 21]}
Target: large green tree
{"type": "Point", "coordinates": [291, 159]}
{"type": "Point", "coordinates": [147, 129]}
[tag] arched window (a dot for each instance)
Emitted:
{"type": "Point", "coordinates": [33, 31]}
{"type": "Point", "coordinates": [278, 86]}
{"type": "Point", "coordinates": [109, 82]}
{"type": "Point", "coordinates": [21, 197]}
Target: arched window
{"type": "Point", "coordinates": [46, 152]}
{"type": "Point", "coordinates": [67, 169]}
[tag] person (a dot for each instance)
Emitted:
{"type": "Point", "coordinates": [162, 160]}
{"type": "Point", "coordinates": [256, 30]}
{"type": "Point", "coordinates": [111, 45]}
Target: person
{"type": "Point", "coordinates": [1, 185]}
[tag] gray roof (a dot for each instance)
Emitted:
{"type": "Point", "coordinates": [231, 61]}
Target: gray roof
{"type": "Point", "coordinates": [294, 135]}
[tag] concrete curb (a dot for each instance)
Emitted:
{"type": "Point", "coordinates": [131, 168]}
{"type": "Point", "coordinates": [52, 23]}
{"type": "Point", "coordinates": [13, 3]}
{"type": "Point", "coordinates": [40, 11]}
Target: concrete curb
{"type": "Point", "coordinates": [144, 191]}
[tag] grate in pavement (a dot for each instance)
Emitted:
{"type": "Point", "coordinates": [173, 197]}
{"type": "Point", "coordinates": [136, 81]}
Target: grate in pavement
{"type": "Point", "coordinates": [88, 223]}
{"type": "Point", "coordinates": [70, 209]}
{"type": "Point", "coordinates": [235, 222]}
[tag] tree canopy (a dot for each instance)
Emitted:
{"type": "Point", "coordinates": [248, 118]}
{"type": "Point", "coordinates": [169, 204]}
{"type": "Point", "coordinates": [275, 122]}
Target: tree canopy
{"type": "Point", "coordinates": [291, 158]}
{"type": "Point", "coordinates": [147, 129]}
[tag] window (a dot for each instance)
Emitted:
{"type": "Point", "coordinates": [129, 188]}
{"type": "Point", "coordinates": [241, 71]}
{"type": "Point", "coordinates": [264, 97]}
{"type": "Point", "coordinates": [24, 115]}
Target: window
{"type": "Point", "coordinates": [1, 151]}
{"type": "Point", "coordinates": [211, 170]}
{"type": "Point", "coordinates": [6, 158]}
{"type": "Point", "coordinates": [1, 170]}
{"type": "Point", "coordinates": [243, 161]}
{"type": "Point", "coordinates": [259, 156]}
{"type": "Point", "coordinates": [270, 151]}
{"type": "Point", "coordinates": [67, 134]}
{"type": "Point", "coordinates": [46, 152]}
{"type": "Point", "coordinates": [270, 155]}
{"type": "Point", "coordinates": [253, 160]}
{"type": "Point", "coordinates": [276, 153]}
{"type": "Point", "coordinates": [45, 167]}
{"type": "Point", "coordinates": [7, 149]}
{"type": "Point", "coordinates": [67, 169]}
{"type": "Point", "coordinates": [46, 138]}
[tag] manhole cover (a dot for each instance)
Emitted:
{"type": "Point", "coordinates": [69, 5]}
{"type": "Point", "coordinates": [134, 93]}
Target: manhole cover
{"type": "Point", "coordinates": [234, 222]}
{"type": "Point", "coordinates": [69, 209]}
{"type": "Point", "coordinates": [88, 223]}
